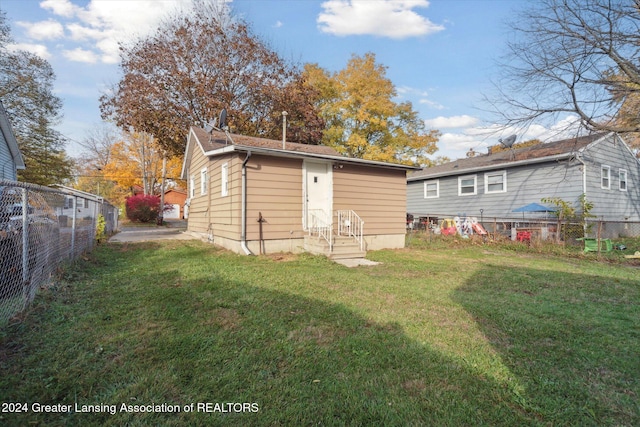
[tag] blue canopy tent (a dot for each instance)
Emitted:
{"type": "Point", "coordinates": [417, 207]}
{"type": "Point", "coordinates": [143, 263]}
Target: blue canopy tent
{"type": "Point", "coordinates": [523, 235]}
{"type": "Point", "coordinates": [534, 208]}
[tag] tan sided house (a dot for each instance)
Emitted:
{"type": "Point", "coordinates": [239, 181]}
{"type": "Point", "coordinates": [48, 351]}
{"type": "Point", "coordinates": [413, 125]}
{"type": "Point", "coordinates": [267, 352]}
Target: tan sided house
{"type": "Point", "coordinates": [254, 195]}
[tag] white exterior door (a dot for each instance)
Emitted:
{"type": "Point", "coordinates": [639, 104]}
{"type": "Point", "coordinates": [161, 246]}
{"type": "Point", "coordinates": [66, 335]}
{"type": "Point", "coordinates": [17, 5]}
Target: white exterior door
{"type": "Point", "coordinates": [318, 194]}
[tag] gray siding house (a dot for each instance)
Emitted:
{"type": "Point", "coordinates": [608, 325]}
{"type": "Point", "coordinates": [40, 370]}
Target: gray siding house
{"type": "Point", "coordinates": [10, 157]}
{"type": "Point", "coordinates": [601, 166]}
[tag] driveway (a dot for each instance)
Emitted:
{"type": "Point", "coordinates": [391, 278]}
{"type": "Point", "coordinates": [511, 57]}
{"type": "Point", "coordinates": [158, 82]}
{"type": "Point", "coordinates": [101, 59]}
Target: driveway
{"type": "Point", "coordinates": [175, 230]}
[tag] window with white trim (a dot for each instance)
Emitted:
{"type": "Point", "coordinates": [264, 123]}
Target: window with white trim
{"type": "Point", "coordinates": [432, 189]}
{"type": "Point", "coordinates": [622, 180]}
{"type": "Point", "coordinates": [605, 177]}
{"type": "Point", "coordinates": [495, 182]}
{"type": "Point", "coordinates": [224, 180]}
{"type": "Point", "coordinates": [192, 186]}
{"type": "Point", "coordinates": [203, 181]}
{"type": "Point", "coordinates": [467, 185]}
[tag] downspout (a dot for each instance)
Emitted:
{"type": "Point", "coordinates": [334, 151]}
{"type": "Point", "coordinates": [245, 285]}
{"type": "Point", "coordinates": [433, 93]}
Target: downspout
{"type": "Point", "coordinates": [584, 187]}
{"type": "Point", "coordinates": [243, 208]}
{"type": "Point", "coordinates": [584, 174]}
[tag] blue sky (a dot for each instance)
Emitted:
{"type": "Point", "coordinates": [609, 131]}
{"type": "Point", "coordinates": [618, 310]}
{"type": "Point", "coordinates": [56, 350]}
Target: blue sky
{"type": "Point", "coordinates": [440, 54]}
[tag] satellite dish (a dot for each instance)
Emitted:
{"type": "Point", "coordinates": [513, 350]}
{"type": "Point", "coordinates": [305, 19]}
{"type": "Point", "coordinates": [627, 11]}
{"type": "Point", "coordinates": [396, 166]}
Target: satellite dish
{"type": "Point", "coordinates": [223, 118]}
{"type": "Point", "coordinates": [508, 142]}
{"type": "Point", "coordinates": [210, 126]}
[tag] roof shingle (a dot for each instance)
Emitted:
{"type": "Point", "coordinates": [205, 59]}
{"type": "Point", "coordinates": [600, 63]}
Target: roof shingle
{"type": "Point", "coordinates": [549, 149]}
{"type": "Point", "coordinates": [216, 140]}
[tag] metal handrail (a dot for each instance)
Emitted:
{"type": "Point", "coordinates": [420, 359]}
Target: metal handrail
{"type": "Point", "coordinates": [350, 224]}
{"type": "Point", "coordinates": [320, 223]}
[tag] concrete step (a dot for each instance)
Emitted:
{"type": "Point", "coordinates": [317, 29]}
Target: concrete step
{"type": "Point", "coordinates": [343, 247]}
{"type": "Point", "coordinates": [347, 255]}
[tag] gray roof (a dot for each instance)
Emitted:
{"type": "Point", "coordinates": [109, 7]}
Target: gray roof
{"type": "Point", "coordinates": [216, 142]}
{"type": "Point", "coordinates": [217, 139]}
{"type": "Point", "coordinates": [533, 154]}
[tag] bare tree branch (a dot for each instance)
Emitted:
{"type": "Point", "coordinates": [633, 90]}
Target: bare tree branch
{"type": "Point", "coordinates": [571, 57]}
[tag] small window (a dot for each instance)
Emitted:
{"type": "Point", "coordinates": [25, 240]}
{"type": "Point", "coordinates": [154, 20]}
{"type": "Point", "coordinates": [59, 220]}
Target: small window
{"type": "Point", "coordinates": [203, 181]}
{"type": "Point", "coordinates": [605, 173]}
{"type": "Point", "coordinates": [224, 180]}
{"type": "Point", "coordinates": [622, 180]}
{"type": "Point", "coordinates": [495, 182]}
{"type": "Point", "coordinates": [192, 186]}
{"type": "Point", "coordinates": [467, 185]}
{"type": "Point", "coordinates": [432, 189]}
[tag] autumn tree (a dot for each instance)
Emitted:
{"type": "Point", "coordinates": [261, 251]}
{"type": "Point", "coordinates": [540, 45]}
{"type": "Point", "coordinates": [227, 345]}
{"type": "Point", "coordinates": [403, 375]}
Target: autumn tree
{"type": "Point", "coordinates": [26, 90]}
{"type": "Point", "coordinates": [92, 162]}
{"type": "Point", "coordinates": [523, 144]}
{"type": "Point", "coordinates": [194, 65]}
{"type": "Point", "coordinates": [136, 160]}
{"type": "Point", "coordinates": [362, 120]}
{"type": "Point", "coordinates": [627, 115]}
{"type": "Point", "coordinates": [572, 57]}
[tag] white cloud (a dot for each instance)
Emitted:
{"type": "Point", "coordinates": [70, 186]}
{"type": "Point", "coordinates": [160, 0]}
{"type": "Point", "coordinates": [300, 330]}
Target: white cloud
{"type": "Point", "coordinates": [387, 18]}
{"type": "Point", "coordinates": [43, 30]}
{"type": "Point", "coordinates": [278, 24]}
{"type": "Point", "coordinates": [36, 49]}
{"type": "Point", "coordinates": [460, 142]}
{"type": "Point", "coordinates": [478, 137]}
{"type": "Point", "coordinates": [568, 127]}
{"type": "Point", "coordinates": [431, 104]}
{"type": "Point", "coordinates": [60, 7]}
{"type": "Point", "coordinates": [79, 32]}
{"type": "Point", "coordinates": [100, 25]}
{"type": "Point", "coordinates": [110, 52]}
{"type": "Point", "coordinates": [81, 55]}
{"type": "Point", "coordinates": [408, 90]}
{"type": "Point", "coordinates": [442, 122]}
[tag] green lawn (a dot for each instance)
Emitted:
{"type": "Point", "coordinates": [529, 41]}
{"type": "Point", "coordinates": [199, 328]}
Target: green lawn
{"type": "Point", "coordinates": [440, 334]}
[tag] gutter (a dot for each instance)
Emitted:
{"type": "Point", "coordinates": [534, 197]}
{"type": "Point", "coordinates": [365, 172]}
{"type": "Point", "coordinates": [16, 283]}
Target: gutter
{"type": "Point", "coordinates": [304, 155]}
{"type": "Point", "coordinates": [243, 214]}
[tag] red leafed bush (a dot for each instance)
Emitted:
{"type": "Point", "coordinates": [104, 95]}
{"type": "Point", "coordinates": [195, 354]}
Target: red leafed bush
{"type": "Point", "coordinates": [143, 208]}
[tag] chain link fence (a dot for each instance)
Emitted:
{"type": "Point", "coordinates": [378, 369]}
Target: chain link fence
{"type": "Point", "coordinates": [41, 227]}
{"type": "Point", "coordinates": [526, 228]}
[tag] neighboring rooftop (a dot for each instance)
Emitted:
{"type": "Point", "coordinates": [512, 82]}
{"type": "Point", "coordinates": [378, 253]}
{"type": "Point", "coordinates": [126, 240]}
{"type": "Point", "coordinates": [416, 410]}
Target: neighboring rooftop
{"type": "Point", "coordinates": [502, 158]}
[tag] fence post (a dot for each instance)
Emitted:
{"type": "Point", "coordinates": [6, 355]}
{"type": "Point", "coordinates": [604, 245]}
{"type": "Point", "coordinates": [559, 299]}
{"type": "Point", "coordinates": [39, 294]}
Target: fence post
{"type": "Point", "coordinates": [94, 224]}
{"type": "Point", "coordinates": [25, 246]}
{"type": "Point", "coordinates": [73, 227]}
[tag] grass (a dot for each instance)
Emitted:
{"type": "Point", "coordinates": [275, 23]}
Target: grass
{"type": "Point", "coordinates": [444, 333]}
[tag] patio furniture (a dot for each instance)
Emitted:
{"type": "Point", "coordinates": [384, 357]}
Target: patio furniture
{"type": "Point", "coordinates": [522, 236]}
{"type": "Point", "coordinates": [595, 245]}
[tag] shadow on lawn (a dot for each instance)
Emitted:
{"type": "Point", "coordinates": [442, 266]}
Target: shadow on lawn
{"type": "Point", "coordinates": [571, 339]}
{"type": "Point", "coordinates": [306, 362]}
{"type": "Point", "coordinates": [207, 339]}
{"type": "Point", "coordinates": [183, 339]}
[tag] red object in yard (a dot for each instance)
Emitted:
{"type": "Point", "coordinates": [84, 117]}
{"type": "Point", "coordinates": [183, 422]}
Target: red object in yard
{"type": "Point", "coordinates": [521, 236]}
